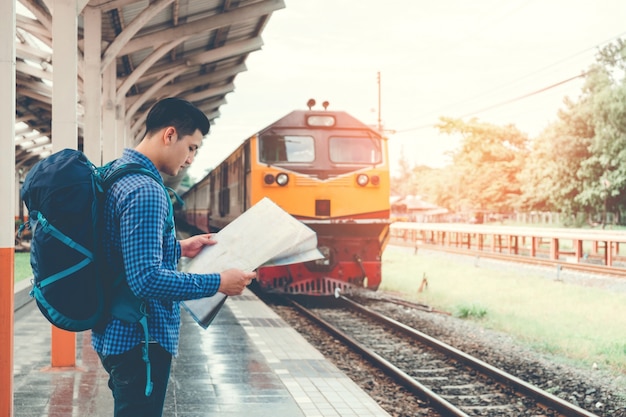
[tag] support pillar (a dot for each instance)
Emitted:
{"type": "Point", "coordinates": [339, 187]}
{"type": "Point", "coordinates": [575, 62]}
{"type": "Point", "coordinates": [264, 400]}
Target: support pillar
{"type": "Point", "coordinates": [7, 203]}
{"type": "Point", "coordinates": [122, 139]}
{"type": "Point", "coordinates": [93, 79]}
{"type": "Point", "coordinates": [64, 127]}
{"type": "Point", "coordinates": [109, 130]}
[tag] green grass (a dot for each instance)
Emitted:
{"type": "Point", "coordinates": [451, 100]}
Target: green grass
{"type": "Point", "coordinates": [576, 323]}
{"type": "Point", "coordinates": [22, 266]}
{"type": "Point", "coordinates": [470, 311]}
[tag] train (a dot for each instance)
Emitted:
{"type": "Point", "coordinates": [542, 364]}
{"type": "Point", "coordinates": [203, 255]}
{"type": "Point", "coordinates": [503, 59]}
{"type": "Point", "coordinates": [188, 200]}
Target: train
{"type": "Point", "coordinates": [325, 168]}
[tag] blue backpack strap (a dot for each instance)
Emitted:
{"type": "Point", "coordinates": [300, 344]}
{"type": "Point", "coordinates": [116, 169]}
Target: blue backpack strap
{"type": "Point", "coordinates": [133, 168]}
{"type": "Point", "coordinates": [56, 233]}
{"type": "Point", "coordinates": [126, 306]}
{"type": "Point", "coordinates": [146, 358]}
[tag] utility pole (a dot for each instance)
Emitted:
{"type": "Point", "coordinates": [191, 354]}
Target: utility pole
{"type": "Point", "coordinates": [380, 125]}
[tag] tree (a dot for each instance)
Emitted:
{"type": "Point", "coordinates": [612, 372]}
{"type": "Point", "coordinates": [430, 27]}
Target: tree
{"type": "Point", "coordinates": [432, 185]}
{"type": "Point", "coordinates": [604, 172]}
{"type": "Point", "coordinates": [486, 167]}
{"type": "Point", "coordinates": [577, 163]}
{"type": "Point", "coordinates": [402, 181]}
{"type": "Point", "coordinates": [551, 179]}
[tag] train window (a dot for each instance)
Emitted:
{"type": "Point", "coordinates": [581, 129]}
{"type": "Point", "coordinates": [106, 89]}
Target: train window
{"type": "Point", "coordinates": [277, 148]}
{"type": "Point", "coordinates": [327, 121]}
{"type": "Point", "coordinates": [352, 150]}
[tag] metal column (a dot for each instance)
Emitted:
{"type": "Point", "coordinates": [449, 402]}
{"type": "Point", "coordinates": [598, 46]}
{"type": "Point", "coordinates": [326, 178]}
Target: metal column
{"type": "Point", "coordinates": [7, 203]}
{"type": "Point", "coordinates": [92, 135]}
{"type": "Point", "coordinates": [64, 126]}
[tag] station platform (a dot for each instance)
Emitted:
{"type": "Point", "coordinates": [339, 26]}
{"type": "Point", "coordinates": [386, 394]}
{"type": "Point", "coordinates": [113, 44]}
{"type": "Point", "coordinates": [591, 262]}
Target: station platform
{"type": "Point", "coordinates": [249, 362]}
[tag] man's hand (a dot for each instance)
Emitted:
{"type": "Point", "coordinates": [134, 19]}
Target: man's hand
{"type": "Point", "coordinates": [233, 281]}
{"type": "Point", "coordinates": [192, 246]}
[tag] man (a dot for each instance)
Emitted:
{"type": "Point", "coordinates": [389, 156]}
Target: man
{"type": "Point", "coordinates": [139, 244]}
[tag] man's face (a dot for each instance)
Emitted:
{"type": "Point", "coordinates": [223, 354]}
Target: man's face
{"type": "Point", "coordinates": [183, 151]}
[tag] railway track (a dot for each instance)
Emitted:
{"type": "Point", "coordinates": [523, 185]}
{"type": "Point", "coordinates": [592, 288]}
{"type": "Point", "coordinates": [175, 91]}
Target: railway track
{"type": "Point", "coordinates": [451, 381]}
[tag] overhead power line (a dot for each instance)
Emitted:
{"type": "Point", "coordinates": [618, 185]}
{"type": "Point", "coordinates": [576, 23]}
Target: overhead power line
{"type": "Point", "coordinates": [524, 96]}
{"type": "Point", "coordinates": [502, 103]}
{"type": "Point", "coordinates": [506, 102]}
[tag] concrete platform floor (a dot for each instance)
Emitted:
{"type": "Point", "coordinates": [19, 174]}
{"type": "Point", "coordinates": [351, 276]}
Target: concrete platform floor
{"type": "Point", "coordinates": [249, 362]}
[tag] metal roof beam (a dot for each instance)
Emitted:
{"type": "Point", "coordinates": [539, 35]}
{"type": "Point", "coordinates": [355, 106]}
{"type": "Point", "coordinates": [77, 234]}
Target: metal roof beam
{"type": "Point", "coordinates": [25, 51]}
{"type": "Point", "coordinates": [42, 15]}
{"type": "Point", "coordinates": [23, 118]}
{"type": "Point", "coordinates": [24, 68]}
{"type": "Point", "coordinates": [25, 139]}
{"type": "Point", "coordinates": [202, 25]}
{"type": "Point", "coordinates": [26, 156]}
{"type": "Point", "coordinates": [112, 51]}
{"type": "Point", "coordinates": [34, 28]}
{"type": "Point", "coordinates": [208, 43]}
{"type": "Point", "coordinates": [106, 5]}
{"type": "Point", "coordinates": [213, 115]}
{"type": "Point", "coordinates": [44, 102]}
{"type": "Point", "coordinates": [212, 106]}
{"type": "Point", "coordinates": [145, 65]}
{"type": "Point", "coordinates": [36, 145]}
{"type": "Point", "coordinates": [195, 82]}
{"type": "Point", "coordinates": [148, 94]}
{"type": "Point", "coordinates": [212, 56]}
{"type": "Point", "coordinates": [23, 131]}
{"type": "Point", "coordinates": [39, 127]}
{"type": "Point", "coordinates": [226, 51]}
{"type": "Point", "coordinates": [210, 92]}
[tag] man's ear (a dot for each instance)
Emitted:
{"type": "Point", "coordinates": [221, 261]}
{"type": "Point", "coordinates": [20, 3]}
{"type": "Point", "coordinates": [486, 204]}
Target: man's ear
{"type": "Point", "coordinates": [168, 135]}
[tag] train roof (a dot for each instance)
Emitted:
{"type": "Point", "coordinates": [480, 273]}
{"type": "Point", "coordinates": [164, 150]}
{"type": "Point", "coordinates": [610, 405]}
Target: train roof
{"type": "Point", "coordinates": [306, 119]}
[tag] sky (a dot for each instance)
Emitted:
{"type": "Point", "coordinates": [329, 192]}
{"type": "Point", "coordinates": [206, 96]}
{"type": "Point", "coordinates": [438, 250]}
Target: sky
{"type": "Point", "coordinates": [453, 58]}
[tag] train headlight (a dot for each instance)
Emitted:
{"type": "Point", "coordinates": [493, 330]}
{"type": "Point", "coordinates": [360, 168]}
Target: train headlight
{"type": "Point", "coordinates": [268, 179]}
{"type": "Point", "coordinates": [375, 180]}
{"type": "Point", "coordinates": [362, 180]}
{"type": "Point", "coordinates": [282, 179]}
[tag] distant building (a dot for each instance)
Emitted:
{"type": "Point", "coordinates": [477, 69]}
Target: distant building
{"type": "Point", "coordinates": [412, 208]}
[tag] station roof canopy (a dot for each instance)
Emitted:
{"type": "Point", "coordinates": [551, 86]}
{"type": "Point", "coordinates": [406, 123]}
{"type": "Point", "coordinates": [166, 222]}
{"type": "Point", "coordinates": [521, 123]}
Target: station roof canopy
{"type": "Point", "coordinates": [192, 49]}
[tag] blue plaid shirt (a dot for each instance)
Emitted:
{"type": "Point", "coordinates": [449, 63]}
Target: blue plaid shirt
{"type": "Point", "coordinates": [136, 209]}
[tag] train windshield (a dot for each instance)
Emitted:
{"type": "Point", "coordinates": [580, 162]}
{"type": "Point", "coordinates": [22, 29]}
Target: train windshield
{"type": "Point", "coordinates": [352, 150]}
{"type": "Point", "coordinates": [287, 148]}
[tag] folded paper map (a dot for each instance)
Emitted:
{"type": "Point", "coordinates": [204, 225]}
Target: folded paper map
{"type": "Point", "coordinates": [263, 235]}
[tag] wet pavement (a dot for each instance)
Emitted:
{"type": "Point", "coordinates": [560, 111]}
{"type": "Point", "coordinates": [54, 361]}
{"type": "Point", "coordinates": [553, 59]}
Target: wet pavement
{"type": "Point", "coordinates": [249, 362]}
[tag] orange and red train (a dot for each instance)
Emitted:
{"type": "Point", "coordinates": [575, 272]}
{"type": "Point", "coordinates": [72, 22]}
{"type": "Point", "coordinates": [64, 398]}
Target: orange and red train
{"type": "Point", "coordinates": [325, 168]}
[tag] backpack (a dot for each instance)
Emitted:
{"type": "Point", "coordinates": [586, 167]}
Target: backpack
{"type": "Point", "coordinates": [65, 194]}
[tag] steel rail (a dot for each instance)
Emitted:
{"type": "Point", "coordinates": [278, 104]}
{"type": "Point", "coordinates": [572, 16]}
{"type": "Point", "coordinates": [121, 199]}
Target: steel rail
{"type": "Point", "coordinates": [411, 384]}
{"type": "Point", "coordinates": [542, 397]}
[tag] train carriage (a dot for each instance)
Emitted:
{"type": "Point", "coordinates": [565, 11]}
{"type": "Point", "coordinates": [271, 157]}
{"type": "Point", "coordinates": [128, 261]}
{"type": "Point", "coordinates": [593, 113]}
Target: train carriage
{"type": "Point", "coordinates": [326, 169]}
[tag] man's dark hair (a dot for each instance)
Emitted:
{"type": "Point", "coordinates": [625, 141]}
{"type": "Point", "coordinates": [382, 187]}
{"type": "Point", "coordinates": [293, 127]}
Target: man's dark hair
{"type": "Point", "coordinates": [181, 114]}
